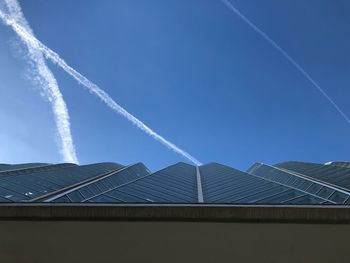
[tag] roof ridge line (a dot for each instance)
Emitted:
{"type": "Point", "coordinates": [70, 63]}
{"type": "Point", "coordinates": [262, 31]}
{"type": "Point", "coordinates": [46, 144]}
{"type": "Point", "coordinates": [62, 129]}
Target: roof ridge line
{"type": "Point", "coordinates": [285, 185]}
{"type": "Point", "coordinates": [93, 180]}
{"type": "Point", "coordinates": [32, 169]}
{"type": "Point", "coordinates": [73, 185]}
{"type": "Point", "coordinates": [119, 186]}
{"type": "Point", "coordinates": [314, 180]}
{"type": "Point", "coordinates": [289, 186]}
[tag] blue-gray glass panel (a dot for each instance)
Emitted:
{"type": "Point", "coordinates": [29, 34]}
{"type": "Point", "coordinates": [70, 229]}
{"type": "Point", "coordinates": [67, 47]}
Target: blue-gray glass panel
{"type": "Point", "coordinates": [86, 193]}
{"type": "Point", "coordinates": [290, 181]}
{"type": "Point", "coordinates": [241, 193]}
{"type": "Point", "coordinates": [218, 181]}
{"type": "Point", "coordinates": [281, 197]}
{"type": "Point", "coordinates": [305, 200]}
{"type": "Point", "coordinates": [305, 185]}
{"type": "Point", "coordinates": [325, 192]}
{"type": "Point", "coordinates": [146, 193]}
{"type": "Point", "coordinates": [237, 187]}
{"type": "Point", "coordinates": [62, 199]}
{"type": "Point", "coordinates": [233, 197]}
{"type": "Point", "coordinates": [36, 182]}
{"type": "Point", "coordinates": [13, 196]}
{"type": "Point", "coordinates": [4, 200]}
{"type": "Point", "coordinates": [94, 189]}
{"type": "Point", "coordinates": [104, 199]}
{"type": "Point", "coordinates": [314, 188]}
{"type": "Point", "coordinates": [332, 174]}
{"type": "Point", "coordinates": [227, 180]}
{"type": "Point", "coordinates": [31, 193]}
{"type": "Point", "coordinates": [231, 188]}
{"type": "Point", "coordinates": [179, 178]}
{"type": "Point", "coordinates": [29, 186]}
{"type": "Point", "coordinates": [171, 181]}
{"type": "Point", "coordinates": [176, 183]}
{"type": "Point", "coordinates": [60, 178]}
{"type": "Point", "coordinates": [60, 182]}
{"type": "Point", "coordinates": [103, 185]}
{"type": "Point", "coordinates": [76, 196]}
{"type": "Point", "coordinates": [171, 190]}
{"type": "Point", "coordinates": [34, 170]}
{"type": "Point", "coordinates": [10, 167]}
{"type": "Point", "coordinates": [150, 195]}
{"type": "Point", "coordinates": [299, 183]}
{"type": "Point", "coordinates": [338, 197]}
{"type": "Point", "coordinates": [232, 180]}
{"type": "Point", "coordinates": [210, 182]}
{"type": "Point", "coordinates": [279, 176]}
{"type": "Point", "coordinates": [112, 181]}
{"type": "Point", "coordinates": [213, 178]}
{"type": "Point", "coordinates": [340, 164]}
{"type": "Point", "coordinates": [254, 197]}
{"type": "Point", "coordinates": [127, 198]}
{"type": "Point", "coordinates": [212, 171]}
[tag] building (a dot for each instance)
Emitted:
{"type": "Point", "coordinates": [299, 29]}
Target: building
{"type": "Point", "coordinates": [288, 212]}
{"type": "Point", "coordinates": [181, 183]}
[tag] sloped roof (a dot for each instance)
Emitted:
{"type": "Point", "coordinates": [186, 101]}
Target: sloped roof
{"type": "Point", "coordinates": [181, 183]}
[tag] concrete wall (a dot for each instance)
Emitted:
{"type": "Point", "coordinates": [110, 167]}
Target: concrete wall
{"type": "Point", "coordinates": [103, 241]}
{"type": "Point", "coordinates": [173, 233]}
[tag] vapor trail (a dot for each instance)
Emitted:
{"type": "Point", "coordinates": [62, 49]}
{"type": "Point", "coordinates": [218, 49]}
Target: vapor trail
{"type": "Point", "coordinates": [286, 55]}
{"type": "Point", "coordinates": [93, 88]}
{"type": "Point", "coordinates": [49, 86]}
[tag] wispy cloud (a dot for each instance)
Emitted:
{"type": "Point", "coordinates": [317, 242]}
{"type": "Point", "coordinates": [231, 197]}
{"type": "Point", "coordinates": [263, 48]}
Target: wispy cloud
{"type": "Point", "coordinates": [48, 84]}
{"type": "Point", "coordinates": [287, 56]}
{"type": "Point", "coordinates": [35, 44]}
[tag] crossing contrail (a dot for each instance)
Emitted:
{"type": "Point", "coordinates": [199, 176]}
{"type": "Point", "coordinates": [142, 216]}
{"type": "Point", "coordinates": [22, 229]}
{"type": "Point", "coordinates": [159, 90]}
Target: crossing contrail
{"type": "Point", "coordinates": [286, 55]}
{"type": "Point", "coordinates": [49, 86]}
{"type": "Point", "coordinates": [34, 43]}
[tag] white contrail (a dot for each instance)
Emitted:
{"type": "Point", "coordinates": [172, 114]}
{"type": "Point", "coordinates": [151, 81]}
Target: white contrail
{"type": "Point", "coordinates": [286, 55]}
{"type": "Point", "coordinates": [93, 88]}
{"type": "Point", "coordinates": [49, 85]}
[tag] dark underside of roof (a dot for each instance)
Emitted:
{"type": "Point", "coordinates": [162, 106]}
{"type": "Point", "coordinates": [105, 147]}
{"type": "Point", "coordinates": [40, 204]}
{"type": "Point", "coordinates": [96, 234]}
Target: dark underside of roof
{"type": "Point", "coordinates": [288, 183]}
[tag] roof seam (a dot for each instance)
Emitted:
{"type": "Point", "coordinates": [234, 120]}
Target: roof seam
{"type": "Point", "coordinates": [130, 182]}
{"type": "Point", "coordinates": [87, 183]}
{"type": "Point", "coordinates": [199, 186]}
{"type": "Point", "coordinates": [314, 180]}
{"type": "Point", "coordinates": [294, 188]}
{"type": "Point", "coordinates": [39, 198]}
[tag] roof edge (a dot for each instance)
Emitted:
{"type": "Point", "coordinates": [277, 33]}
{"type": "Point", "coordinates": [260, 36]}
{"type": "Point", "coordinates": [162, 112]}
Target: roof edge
{"type": "Point", "coordinates": [176, 212]}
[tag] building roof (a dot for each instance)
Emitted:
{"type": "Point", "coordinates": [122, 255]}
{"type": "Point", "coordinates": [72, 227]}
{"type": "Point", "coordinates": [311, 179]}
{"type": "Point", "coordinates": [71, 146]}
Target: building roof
{"type": "Point", "coordinates": [289, 183]}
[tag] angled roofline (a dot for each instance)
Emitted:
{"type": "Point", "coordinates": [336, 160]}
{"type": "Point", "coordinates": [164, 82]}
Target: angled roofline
{"type": "Point", "coordinates": [309, 178]}
{"type": "Point", "coordinates": [137, 179]}
{"type": "Point", "coordinates": [47, 195]}
{"type": "Point", "coordinates": [30, 167]}
{"type": "Point", "coordinates": [296, 162]}
{"type": "Point", "coordinates": [91, 181]}
{"type": "Point", "coordinates": [44, 168]}
{"type": "Point", "coordinates": [285, 185]}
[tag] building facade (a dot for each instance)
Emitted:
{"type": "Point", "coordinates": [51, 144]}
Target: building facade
{"type": "Point", "coordinates": [181, 183]}
{"type": "Point", "coordinates": [107, 212]}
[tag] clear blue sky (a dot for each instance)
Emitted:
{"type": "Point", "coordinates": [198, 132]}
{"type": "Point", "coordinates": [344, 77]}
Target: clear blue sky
{"type": "Point", "coordinates": [192, 71]}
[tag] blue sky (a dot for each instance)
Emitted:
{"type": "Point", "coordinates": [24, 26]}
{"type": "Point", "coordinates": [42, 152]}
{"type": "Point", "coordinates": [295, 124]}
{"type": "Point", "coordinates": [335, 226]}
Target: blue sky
{"type": "Point", "coordinates": [191, 70]}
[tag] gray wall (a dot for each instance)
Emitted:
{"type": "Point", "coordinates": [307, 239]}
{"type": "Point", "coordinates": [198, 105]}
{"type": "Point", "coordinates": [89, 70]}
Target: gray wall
{"type": "Point", "coordinates": [140, 241]}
